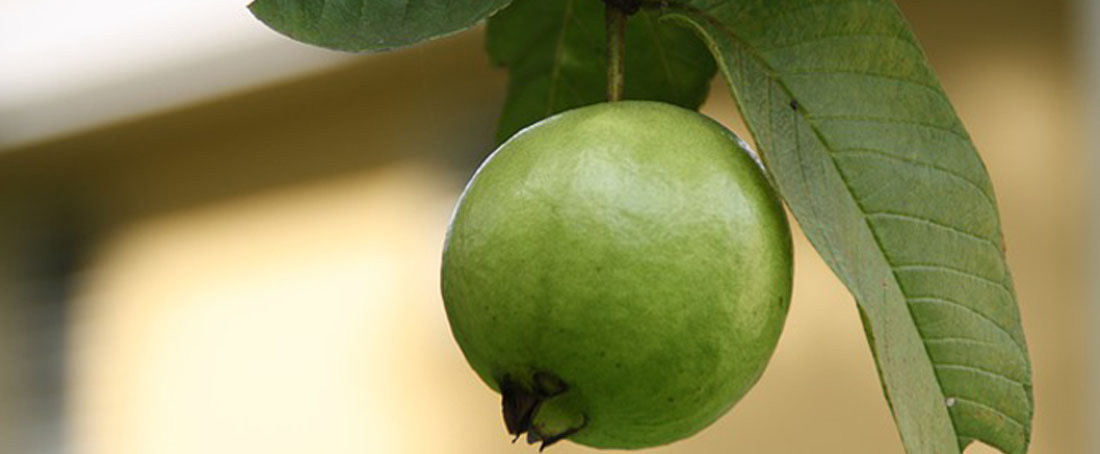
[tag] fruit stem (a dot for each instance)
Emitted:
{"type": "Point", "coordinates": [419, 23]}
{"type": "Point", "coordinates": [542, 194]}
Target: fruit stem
{"type": "Point", "coordinates": [616, 14]}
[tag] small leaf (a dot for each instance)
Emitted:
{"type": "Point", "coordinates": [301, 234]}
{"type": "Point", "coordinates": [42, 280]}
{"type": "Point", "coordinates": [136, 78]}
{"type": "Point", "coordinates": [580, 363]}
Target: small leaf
{"type": "Point", "coordinates": [556, 53]}
{"type": "Point", "coordinates": [867, 151]}
{"type": "Point", "coordinates": [371, 25]}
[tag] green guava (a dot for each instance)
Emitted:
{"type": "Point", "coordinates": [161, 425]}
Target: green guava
{"type": "Point", "coordinates": [620, 273]}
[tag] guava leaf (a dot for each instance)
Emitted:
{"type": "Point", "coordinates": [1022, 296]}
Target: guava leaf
{"type": "Point", "coordinates": [370, 25]}
{"type": "Point", "coordinates": [556, 51]}
{"type": "Point", "coordinates": [868, 153]}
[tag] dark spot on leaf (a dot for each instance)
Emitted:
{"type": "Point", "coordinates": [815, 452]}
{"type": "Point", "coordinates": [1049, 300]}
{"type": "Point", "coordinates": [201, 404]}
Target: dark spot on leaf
{"type": "Point", "coordinates": [794, 105]}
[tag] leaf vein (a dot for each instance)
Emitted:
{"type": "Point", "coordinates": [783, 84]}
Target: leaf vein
{"type": "Point", "coordinates": [980, 314]}
{"type": "Point", "coordinates": [934, 89]}
{"type": "Point", "coordinates": [818, 39]}
{"type": "Point", "coordinates": [979, 371]}
{"type": "Point", "coordinates": [888, 120]}
{"type": "Point", "coordinates": [992, 409]}
{"type": "Point", "coordinates": [929, 222]}
{"type": "Point", "coordinates": [780, 13]}
{"type": "Point", "coordinates": [963, 340]}
{"type": "Point", "coordinates": [921, 267]}
{"type": "Point", "coordinates": [886, 155]}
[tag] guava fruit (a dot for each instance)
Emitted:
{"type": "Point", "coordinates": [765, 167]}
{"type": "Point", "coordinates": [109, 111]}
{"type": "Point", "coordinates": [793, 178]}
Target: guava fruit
{"type": "Point", "coordinates": [620, 273]}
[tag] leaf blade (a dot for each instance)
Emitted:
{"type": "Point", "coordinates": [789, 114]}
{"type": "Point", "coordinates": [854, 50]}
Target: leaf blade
{"type": "Point", "coordinates": [555, 51]}
{"type": "Point", "coordinates": [366, 25]}
{"type": "Point", "coordinates": [870, 156]}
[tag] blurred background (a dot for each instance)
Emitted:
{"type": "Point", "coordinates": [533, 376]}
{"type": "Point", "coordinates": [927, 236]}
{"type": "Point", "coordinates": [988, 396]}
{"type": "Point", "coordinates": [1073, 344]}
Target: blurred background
{"type": "Point", "coordinates": [216, 240]}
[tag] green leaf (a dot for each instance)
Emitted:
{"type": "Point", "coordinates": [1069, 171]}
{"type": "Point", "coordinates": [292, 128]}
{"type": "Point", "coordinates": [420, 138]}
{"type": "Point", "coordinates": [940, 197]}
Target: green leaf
{"type": "Point", "coordinates": [556, 53]}
{"type": "Point", "coordinates": [371, 25]}
{"type": "Point", "coordinates": [867, 151]}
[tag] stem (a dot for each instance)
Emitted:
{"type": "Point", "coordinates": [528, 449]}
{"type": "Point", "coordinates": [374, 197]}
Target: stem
{"type": "Point", "coordinates": [616, 48]}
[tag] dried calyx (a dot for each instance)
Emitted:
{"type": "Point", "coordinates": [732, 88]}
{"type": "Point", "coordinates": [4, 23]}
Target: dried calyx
{"type": "Point", "coordinates": [535, 408]}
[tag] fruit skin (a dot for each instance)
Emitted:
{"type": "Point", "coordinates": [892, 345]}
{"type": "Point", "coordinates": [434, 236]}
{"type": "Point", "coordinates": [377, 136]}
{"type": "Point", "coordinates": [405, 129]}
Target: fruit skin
{"type": "Point", "coordinates": [634, 252]}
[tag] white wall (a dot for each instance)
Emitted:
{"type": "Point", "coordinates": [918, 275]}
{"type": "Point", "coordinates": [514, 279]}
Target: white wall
{"type": "Point", "coordinates": [71, 66]}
